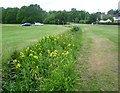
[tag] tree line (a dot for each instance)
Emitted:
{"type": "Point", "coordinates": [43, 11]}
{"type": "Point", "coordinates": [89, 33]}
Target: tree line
{"type": "Point", "coordinates": [34, 13]}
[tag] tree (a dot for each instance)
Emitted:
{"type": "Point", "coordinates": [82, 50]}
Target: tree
{"type": "Point", "coordinates": [9, 15]}
{"type": "Point", "coordinates": [93, 17]}
{"type": "Point", "coordinates": [76, 20]}
{"type": "Point", "coordinates": [50, 19]}
{"type": "Point", "coordinates": [1, 8]}
{"type": "Point", "coordinates": [32, 13]}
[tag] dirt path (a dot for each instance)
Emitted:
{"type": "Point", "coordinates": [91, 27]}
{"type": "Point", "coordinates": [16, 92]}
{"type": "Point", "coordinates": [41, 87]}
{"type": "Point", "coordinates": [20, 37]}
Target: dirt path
{"type": "Point", "coordinates": [98, 63]}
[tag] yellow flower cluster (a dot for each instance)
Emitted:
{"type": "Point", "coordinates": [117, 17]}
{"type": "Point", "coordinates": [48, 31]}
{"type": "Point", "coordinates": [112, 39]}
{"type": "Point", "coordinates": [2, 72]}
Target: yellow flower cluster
{"type": "Point", "coordinates": [22, 54]}
{"type": "Point", "coordinates": [54, 54]}
{"type": "Point", "coordinates": [18, 65]}
{"type": "Point", "coordinates": [31, 51]}
{"type": "Point", "coordinates": [31, 55]}
{"type": "Point", "coordinates": [65, 53]}
{"type": "Point", "coordinates": [69, 45]}
{"type": "Point", "coordinates": [36, 57]}
{"type": "Point", "coordinates": [37, 67]}
{"type": "Point", "coordinates": [14, 61]}
{"type": "Point", "coordinates": [48, 51]}
{"type": "Point", "coordinates": [27, 49]}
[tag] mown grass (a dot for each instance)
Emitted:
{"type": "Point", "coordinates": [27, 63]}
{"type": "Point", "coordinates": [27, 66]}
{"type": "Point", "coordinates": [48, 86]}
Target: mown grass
{"type": "Point", "coordinates": [110, 32]}
{"type": "Point", "coordinates": [107, 78]}
{"type": "Point", "coordinates": [48, 65]}
{"type": "Point", "coordinates": [16, 36]}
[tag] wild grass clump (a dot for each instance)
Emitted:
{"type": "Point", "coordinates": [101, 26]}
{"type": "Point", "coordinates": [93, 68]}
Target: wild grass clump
{"type": "Point", "coordinates": [49, 65]}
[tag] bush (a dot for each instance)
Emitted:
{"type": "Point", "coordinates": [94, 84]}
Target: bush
{"type": "Point", "coordinates": [85, 22]}
{"type": "Point", "coordinates": [49, 65]}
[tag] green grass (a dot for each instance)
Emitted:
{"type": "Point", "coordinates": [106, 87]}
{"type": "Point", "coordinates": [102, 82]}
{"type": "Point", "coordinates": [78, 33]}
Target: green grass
{"type": "Point", "coordinates": [15, 36]}
{"type": "Point", "coordinates": [107, 78]}
{"type": "Point", "coordinates": [110, 32]}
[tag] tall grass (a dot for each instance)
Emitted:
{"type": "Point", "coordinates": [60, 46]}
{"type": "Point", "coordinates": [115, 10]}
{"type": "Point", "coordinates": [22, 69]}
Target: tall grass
{"type": "Point", "coordinates": [49, 65]}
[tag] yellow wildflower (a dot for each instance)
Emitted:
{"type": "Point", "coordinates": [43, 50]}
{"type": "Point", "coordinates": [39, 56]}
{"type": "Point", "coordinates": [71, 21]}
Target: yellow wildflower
{"type": "Point", "coordinates": [30, 55]}
{"type": "Point", "coordinates": [22, 54]}
{"type": "Point", "coordinates": [18, 65]}
{"type": "Point", "coordinates": [51, 54]}
{"type": "Point", "coordinates": [62, 53]}
{"type": "Point", "coordinates": [65, 53]}
{"type": "Point", "coordinates": [69, 44]}
{"type": "Point", "coordinates": [14, 61]}
{"type": "Point", "coordinates": [56, 51]}
{"type": "Point", "coordinates": [48, 51]}
{"type": "Point", "coordinates": [54, 54]}
{"type": "Point", "coordinates": [36, 57]}
{"type": "Point", "coordinates": [27, 49]}
{"type": "Point", "coordinates": [30, 50]}
{"type": "Point", "coordinates": [37, 67]}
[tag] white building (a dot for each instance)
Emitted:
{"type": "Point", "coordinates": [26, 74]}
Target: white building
{"type": "Point", "coordinates": [105, 21]}
{"type": "Point", "coordinates": [116, 19]}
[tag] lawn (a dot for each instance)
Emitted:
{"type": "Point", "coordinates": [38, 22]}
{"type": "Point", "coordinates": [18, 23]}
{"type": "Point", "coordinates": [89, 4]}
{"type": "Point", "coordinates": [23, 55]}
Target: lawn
{"type": "Point", "coordinates": [14, 36]}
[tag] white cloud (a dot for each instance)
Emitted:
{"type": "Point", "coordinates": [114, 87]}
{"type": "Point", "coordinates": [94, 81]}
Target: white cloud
{"type": "Point", "coordinates": [88, 5]}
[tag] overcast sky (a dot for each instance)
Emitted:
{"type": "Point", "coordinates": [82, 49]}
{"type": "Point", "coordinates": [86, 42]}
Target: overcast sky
{"type": "Point", "coordinates": [87, 5]}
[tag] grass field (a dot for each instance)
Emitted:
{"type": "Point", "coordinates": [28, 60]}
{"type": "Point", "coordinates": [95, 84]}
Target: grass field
{"type": "Point", "coordinates": [17, 37]}
{"type": "Point", "coordinates": [97, 60]}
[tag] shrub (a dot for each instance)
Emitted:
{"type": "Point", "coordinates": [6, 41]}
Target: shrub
{"type": "Point", "coordinates": [49, 65]}
{"type": "Point", "coordinates": [84, 22]}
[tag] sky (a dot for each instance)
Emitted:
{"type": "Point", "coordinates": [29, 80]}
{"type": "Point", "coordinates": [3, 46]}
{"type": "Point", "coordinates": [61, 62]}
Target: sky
{"type": "Point", "coordinates": [87, 5]}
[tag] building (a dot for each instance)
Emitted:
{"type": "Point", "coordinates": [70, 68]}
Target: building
{"type": "Point", "coordinates": [105, 21]}
{"type": "Point", "coordinates": [102, 16]}
{"type": "Point", "coordinates": [116, 19]}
